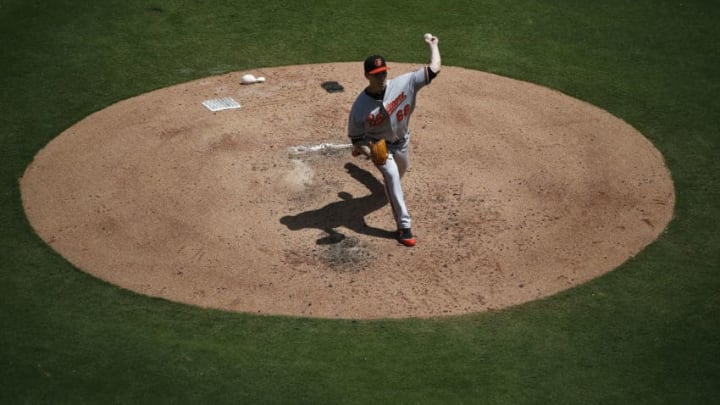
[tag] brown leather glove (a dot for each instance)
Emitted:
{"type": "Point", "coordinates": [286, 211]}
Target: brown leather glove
{"type": "Point", "coordinates": [378, 152]}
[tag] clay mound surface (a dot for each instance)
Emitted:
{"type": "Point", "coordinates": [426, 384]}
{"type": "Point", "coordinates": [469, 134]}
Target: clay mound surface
{"type": "Point", "coordinates": [517, 192]}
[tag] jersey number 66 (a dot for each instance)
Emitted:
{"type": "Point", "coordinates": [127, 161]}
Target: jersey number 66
{"type": "Point", "coordinates": [403, 112]}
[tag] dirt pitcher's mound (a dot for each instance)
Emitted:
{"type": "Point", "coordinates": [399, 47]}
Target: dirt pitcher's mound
{"type": "Point", "coordinates": [516, 191]}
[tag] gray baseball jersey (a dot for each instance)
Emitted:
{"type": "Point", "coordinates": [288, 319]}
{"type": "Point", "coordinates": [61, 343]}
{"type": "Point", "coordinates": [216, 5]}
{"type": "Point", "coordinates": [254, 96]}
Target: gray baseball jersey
{"type": "Point", "coordinates": [390, 118]}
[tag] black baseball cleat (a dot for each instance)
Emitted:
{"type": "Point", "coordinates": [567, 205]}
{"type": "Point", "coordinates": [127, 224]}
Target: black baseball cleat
{"type": "Point", "coordinates": [406, 237]}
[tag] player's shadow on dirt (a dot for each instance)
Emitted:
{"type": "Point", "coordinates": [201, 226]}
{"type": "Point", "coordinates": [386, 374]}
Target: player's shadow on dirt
{"type": "Point", "coordinates": [348, 213]}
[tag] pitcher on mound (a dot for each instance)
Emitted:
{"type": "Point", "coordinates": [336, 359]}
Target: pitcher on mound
{"type": "Point", "coordinates": [378, 126]}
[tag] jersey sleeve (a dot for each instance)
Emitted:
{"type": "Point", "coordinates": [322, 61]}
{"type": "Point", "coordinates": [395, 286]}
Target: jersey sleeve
{"type": "Point", "coordinates": [422, 77]}
{"type": "Point", "coordinates": [355, 131]}
{"type": "Point", "coordinates": [356, 127]}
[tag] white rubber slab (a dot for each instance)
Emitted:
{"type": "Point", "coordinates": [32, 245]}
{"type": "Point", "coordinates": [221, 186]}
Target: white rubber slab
{"type": "Point", "coordinates": [219, 104]}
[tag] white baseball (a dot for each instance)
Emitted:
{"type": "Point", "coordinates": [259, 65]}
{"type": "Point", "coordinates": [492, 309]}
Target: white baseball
{"type": "Point", "coordinates": [428, 36]}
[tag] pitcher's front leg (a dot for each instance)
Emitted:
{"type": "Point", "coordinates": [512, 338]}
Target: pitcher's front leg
{"type": "Point", "coordinates": [394, 192]}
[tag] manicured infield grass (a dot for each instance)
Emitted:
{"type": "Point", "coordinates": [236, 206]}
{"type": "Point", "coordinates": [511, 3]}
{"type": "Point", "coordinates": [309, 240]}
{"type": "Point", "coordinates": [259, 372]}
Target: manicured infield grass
{"type": "Point", "coordinates": [646, 333]}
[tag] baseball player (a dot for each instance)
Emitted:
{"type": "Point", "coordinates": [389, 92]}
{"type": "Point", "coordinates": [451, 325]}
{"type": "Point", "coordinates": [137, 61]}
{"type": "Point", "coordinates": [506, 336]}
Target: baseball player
{"type": "Point", "coordinates": [378, 126]}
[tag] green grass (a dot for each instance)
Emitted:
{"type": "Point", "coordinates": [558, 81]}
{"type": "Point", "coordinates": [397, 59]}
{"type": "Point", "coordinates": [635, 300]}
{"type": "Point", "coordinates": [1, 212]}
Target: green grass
{"type": "Point", "coordinates": [646, 333]}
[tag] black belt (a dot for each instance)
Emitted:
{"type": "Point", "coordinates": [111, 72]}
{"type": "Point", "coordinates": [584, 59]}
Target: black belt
{"type": "Point", "coordinates": [398, 142]}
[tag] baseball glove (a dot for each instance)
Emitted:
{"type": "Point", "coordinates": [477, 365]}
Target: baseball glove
{"type": "Point", "coordinates": [378, 152]}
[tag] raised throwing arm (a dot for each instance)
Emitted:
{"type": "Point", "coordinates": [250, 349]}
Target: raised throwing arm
{"type": "Point", "coordinates": [435, 61]}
